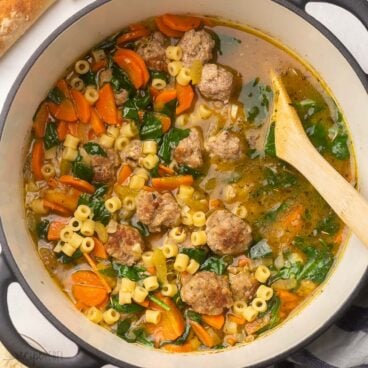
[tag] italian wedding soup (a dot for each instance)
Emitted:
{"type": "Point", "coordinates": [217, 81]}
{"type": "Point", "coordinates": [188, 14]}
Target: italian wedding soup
{"type": "Point", "coordinates": [153, 191]}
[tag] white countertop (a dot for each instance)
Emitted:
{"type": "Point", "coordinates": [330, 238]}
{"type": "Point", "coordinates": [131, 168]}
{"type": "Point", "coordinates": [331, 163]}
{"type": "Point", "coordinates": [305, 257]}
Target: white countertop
{"type": "Point", "coordinates": [344, 25]}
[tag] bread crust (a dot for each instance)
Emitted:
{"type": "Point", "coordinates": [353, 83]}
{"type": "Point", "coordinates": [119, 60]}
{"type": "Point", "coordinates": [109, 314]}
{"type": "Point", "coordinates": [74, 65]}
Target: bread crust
{"type": "Point", "coordinates": [16, 16]}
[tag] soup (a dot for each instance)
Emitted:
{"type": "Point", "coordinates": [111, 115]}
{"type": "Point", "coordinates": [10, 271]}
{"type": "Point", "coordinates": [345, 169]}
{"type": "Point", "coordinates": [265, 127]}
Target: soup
{"type": "Point", "coordinates": [154, 194]}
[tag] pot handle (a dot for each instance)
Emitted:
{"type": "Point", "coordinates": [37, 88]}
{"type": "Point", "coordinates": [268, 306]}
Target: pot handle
{"type": "Point", "coordinates": [19, 348]}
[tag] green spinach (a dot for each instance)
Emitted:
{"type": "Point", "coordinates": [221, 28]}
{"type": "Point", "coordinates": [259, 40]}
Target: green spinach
{"type": "Point", "coordinates": [170, 141]}
{"type": "Point", "coordinates": [151, 128]}
{"type": "Point", "coordinates": [93, 148]}
{"type": "Point", "coordinates": [216, 264]}
{"type": "Point", "coordinates": [56, 95]}
{"type": "Point", "coordinates": [260, 250]}
{"type": "Point", "coordinates": [51, 138]}
{"type": "Point", "coordinates": [198, 254]}
{"type": "Point", "coordinates": [42, 229]}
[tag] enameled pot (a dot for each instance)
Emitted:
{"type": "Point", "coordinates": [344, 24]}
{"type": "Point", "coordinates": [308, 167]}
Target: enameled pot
{"type": "Point", "coordinates": [284, 20]}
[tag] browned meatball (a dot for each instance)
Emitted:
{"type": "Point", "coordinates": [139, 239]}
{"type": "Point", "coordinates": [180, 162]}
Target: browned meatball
{"type": "Point", "coordinates": [157, 210]}
{"type": "Point", "coordinates": [132, 152]}
{"type": "Point", "coordinates": [121, 245]}
{"type": "Point", "coordinates": [227, 233]}
{"type": "Point", "coordinates": [189, 150]}
{"type": "Point", "coordinates": [225, 146]}
{"type": "Point", "coordinates": [153, 50]}
{"type": "Point", "coordinates": [196, 45]}
{"type": "Point", "coordinates": [103, 167]}
{"type": "Point", "coordinates": [207, 293]}
{"type": "Point", "coordinates": [216, 83]}
{"type": "Point", "coordinates": [243, 285]}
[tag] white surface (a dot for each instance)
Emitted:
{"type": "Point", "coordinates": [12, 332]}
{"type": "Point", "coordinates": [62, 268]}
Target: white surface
{"type": "Point", "coordinates": [351, 32]}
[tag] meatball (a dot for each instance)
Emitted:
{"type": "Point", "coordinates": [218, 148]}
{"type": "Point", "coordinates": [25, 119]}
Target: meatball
{"type": "Point", "coordinates": [121, 245]}
{"type": "Point", "coordinates": [216, 83]}
{"type": "Point", "coordinates": [189, 150]}
{"type": "Point", "coordinates": [153, 50]}
{"type": "Point", "coordinates": [243, 285]}
{"type": "Point", "coordinates": [227, 233]}
{"type": "Point", "coordinates": [196, 45]}
{"type": "Point", "coordinates": [103, 167]}
{"type": "Point", "coordinates": [132, 152]}
{"type": "Point", "coordinates": [157, 210]}
{"type": "Point", "coordinates": [225, 146]}
{"type": "Point", "coordinates": [207, 293]}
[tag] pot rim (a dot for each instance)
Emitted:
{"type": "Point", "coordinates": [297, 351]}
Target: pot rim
{"type": "Point", "coordinates": [10, 258]}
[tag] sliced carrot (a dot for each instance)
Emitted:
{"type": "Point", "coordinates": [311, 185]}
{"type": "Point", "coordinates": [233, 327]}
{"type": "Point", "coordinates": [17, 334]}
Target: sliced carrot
{"type": "Point", "coordinates": [106, 106]}
{"type": "Point", "coordinates": [181, 23]}
{"type": "Point", "coordinates": [99, 251]}
{"type": "Point", "coordinates": [163, 98]}
{"type": "Point", "coordinates": [132, 35]}
{"type": "Point", "coordinates": [40, 120]}
{"type": "Point", "coordinates": [165, 170]}
{"type": "Point", "coordinates": [96, 123]}
{"type": "Point", "coordinates": [63, 199]}
{"type": "Point", "coordinates": [171, 325]}
{"type": "Point", "coordinates": [64, 111]}
{"type": "Point", "coordinates": [202, 334]}
{"type": "Point", "coordinates": [294, 217]}
{"type": "Point", "coordinates": [148, 189]}
{"type": "Point", "coordinates": [185, 95]}
{"type": "Point", "coordinates": [154, 92]}
{"type": "Point", "coordinates": [165, 122]}
{"type": "Point", "coordinates": [87, 288]}
{"type": "Point", "coordinates": [77, 183]}
{"type": "Point", "coordinates": [289, 301]}
{"type": "Point", "coordinates": [237, 319]}
{"type": "Point", "coordinates": [96, 271]}
{"type": "Point", "coordinates": [52, 183]}
{"type": "Point", "coordinates": [231, 340]}
{"type": "Point", "coordinates": [38, 154]}
{"type": "Point", "coordinates": [97, 65]}
{"type": "Point", "coordinates": [63, 86]}
{"type": "Point", "coordinates": [62, 130]}
{"type": "Point", "coordinates": [73, 129]}
{"type": "Point", "coordinates": [82, 107]}
{"type": "Point", "coordinates": [171, 182]}
{"type": "Point", "coordinates": [214, 321]}
{"type": "Point", "coordinates": [124, 173]}
{"type": "Point", "coordinates": [54, 207]}
{"type": "Point", "coordinates": [151, 270]}
{"type": "Point", "coordinates": [167, 31]}
{"type": "Point", "coordinates": [145, 303]}
{"type": "Point", "coordinates": [53, 232]}
{"type": "Point", "coordinates": [243, 262]}
{"type": "Point", "coordinates": [185, 348]}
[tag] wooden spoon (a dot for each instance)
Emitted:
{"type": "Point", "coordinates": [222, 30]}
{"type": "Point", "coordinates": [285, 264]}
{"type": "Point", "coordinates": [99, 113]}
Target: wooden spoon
{"type": "Point", "coordinates": [294, 147]}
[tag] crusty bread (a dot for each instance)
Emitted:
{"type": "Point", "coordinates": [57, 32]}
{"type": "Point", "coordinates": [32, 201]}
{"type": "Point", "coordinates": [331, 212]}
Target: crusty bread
{"type": "Point", "coordinates": [16, 16]}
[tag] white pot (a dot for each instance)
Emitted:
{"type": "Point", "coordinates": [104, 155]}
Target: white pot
{"type": "Point", "coordinates": [79, 34]}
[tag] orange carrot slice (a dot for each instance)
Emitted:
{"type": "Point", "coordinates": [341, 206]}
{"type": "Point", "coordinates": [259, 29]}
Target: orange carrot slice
{"type": "Point", "coordinates": [185, 95]}
{"type": "Point", "coordinates": [163, 98]}
{"type": "Point", "coordinates": [82, 107]}
{"type": "Point", "coordinates": [54, 207]}
{"type": "Point", "coordinates": [202, 334]}
{"type": "Point", "coordinates": [40, 120]}
{"type": "Point", "coordinates": [63, 86]}
{"type": "Point", "coordinates": [62, 130]}
{"type": "Point", "coordinates": [106, 106]}
{"type": "Point", "coordinates": [181, 23]}
{"type": "Point", "coordinates": [214, 321]}
{"type": "Point", "coordinates": [165, 170]}
{"type": "Point", "coordinates": [53, 232]}
{"type": "Point", "coordinates": [171, 182]}
{"type": "Point", "coordinates": [77, 183]}
{"type": "Point", "coordinates": [64, 111]}
{"type": "Point", "coordinates": [167, 31]}
{"type": "Point", "coordinates": [38, 153]}
{"type": "Point", "coordinates": [99, 250]}
{"type": "Point", "coordinates": [96, 66]}
{"type": "Point", "coordinates": [96, 123]}
{"type": "Point", "coordinates": [124, 174]}
{"type": "Point", "coordinates": [132, 36]}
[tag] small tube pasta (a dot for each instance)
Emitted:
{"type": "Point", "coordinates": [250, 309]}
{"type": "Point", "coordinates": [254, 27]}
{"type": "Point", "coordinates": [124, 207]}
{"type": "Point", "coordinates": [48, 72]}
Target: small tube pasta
{"type": "Point", "coordinates": [181, 262]}
{"type": "Point", "coordinates": [127, 285]}
{"type": "Point", "coordinates": [149, 147]}
{"type": "Point", "coordinates": [111, 316]}
{"type": "Point", "coordinates": [82, 66]}
{"type": "Point", "coordinates": [239, 308]}
{"type": "Point", "coordinates": [192, 267]}
{"type": "Point", "coordinates": [170, 250]}
{"type": "Point", "coordinates": [198, 238]}
{"type": "Point", "coordinates": [91, 95]}
{"type": "Point", "coordinates": [153, 316]}
{"type": "Point", "coordinates": [75, 224]}
{"type": "Point", "coordinates": [140, 294]}
{"type": "Point", "coordinates": [250, 314]}
{"type": "Point", "coordinates": [136, 182]}
{"type": "Point", "coordinates": [259, 305]}
{"type": "Point", "coordinates": [178, 234]}
{"type": "Point", "coordinates": [98, 54]}
{"type": "Point", "coordinates": [151, 283]}
{"type": "Point", "coordinates": [174, 68]}
{"type": "Point", "coordinates": [69, 154]}
{"type": "Point", "coordinates": [59, 246]}
{"type": "Point", "coordinates": [101, 231]}
{"type": "Point", "coordinates": [240, 211]}
{"type": "Point", "coordinates": [264, 292]}
{"type": "Point", "coordinates": [94, 315]}
{"type": "Point", "coordinates": [68, 249]}
{"type": "Point", "coordinates": [142, 172]}
{"type": "Point", "coordinates": [184, 77]}
{"type": "Point", "coordinates": [66, 233]}
{"type": "Point", "coordinates": [88, 228]}
{"type": "Point", "coordinates": [199, 219]}
{"type": "Point", "coordinates": [150, 161]}
{"type": "Point", "coordinates": [125, 297]}
{"type": "Point", "coordinates": [121, 143]}
{"type": "Point", "coordinates": [71, 141]}
{"type": "Point", "coordinates": [230, 328]}
{"type": "Point", "coordinates": [129, 203]}
{"type": "Point", "coordinates": [204, 112]}
{"type": "Point", "coordinates": [158, 83]}
{"type": "Point", "coordinates": [147, 258]}
{"type": "Point", "coordinates": [106, 141]}
{"type": "Point", "coordinates": [186, 218]}
{"type": "Point", "coordinates": [38, 207]}
{"type": "Point", "coordinates": [76, 240]}
{"type": "Point", "coordinates": [174, 53]}
{"type": "Point", "coordinates": [88, 244]}
{"type": "Point", "coordinates": [262, 274]}
{"type": "Point", "coordinates": [128, 130]}
{"type": "Point", "coordinates": [77, 83]}
{"type": "Point", "coordinates": [234, 111]}
{"type": "Point", "coordinates": [113, 131]}
{"type": "Point", "coordinates": [169, 290]}
{"type": "Point", "coordinates": [185, 192]}
{"type": "Point", "coordinates": [48, 171]}
{"type": "Point", "coordinates": [82, 212]}
{"type": "Point", "coordinates": [113, 204]}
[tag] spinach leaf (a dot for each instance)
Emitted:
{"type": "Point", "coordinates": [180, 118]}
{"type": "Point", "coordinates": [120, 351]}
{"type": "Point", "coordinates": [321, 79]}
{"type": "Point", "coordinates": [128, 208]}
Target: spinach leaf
{"type": "Point", "coordinates": [89, 78]}
{"type": "Point", "coordinates": [216, 264]}
{"type": "Point", "coordinates": [307, 108]}
{"type": "Point", "coordinates": [142, 338]}
{"type": "Point", "coordinates": [130, 111]}
{"type": "Point", "coordinates": [142, 228]}
{"type": "Point", "coordinates": [272, 215]}
{"type": "Point", "coordinates": [42, 229]}
{"type": "Point", "coordinates": [100, 191]}
{"type": "Point", "coordinates": [287, 272]}
{"type": "Point", "coordinates": [274, 312]}
{"type": "Point", "coordinates": [82, 170]}
{"type": "Point", "coordinates": [154, 172]}
{"type": "Point", "coordinates": [181, 339]}
{"type": "Point", "coordinates": [260, 250]}
{"type": "Point", "coordinates": [158, 74]}
{"type": "Point", "coordinates": [275, 180]}
{"type": "Point", "coordinates": [56, 95]}
{"type": "Point", "coordinates": [123, 329]}
{"type": "Point", "coordinates": [257, 98]}
{"type": "Point", "coordinates": [64, 259]}
{"type": "Point", "coordinates": [178, 300]}
{"type": "Point", "coordinates": [329, 225]}
{"type": "Point", "coordinates": [151, 128]}
{"type": "Point", "coordinates": [94, 149]}
{"type": "Point", "coordinates": [270, 147]}
{"type": "Point", "coordinates": [340, 148]}
{"type": "Point", "coordinates": [120, 79]}
{"type": "Point", "coordinates": [131, 272]}
{"type": "Point", "coordinates": [198, 254]}
{"type": "Point", "coordinates": [318, 136]}
{"type": "Point", "coordinates": [51, 138]}
{"type": "Point", "coordinates": [142, 99]}
{"type": "Point", "coordinates": [97, 205]}
{"type": "Point", "coordinates": [194, 316]}
{"type": "Point", "coordinates": [186, 170]}
{"type": "Point", "coordinates": [169, 109]}
{"type": "Point", "coordinates": [170, 141]}
{"type": "Point", "coordinates": [125, 308]}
